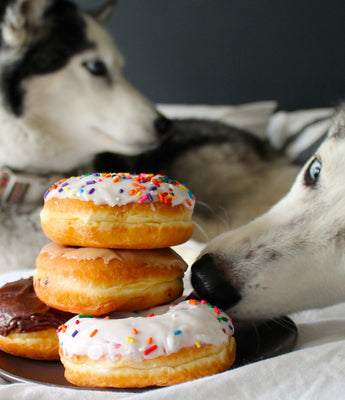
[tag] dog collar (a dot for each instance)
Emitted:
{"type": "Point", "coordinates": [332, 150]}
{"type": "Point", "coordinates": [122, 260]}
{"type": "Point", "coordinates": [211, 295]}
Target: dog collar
{"type": "Point", "coordinates": [17, 189]}
{"type": "Point", "coordinates": [23, 190]}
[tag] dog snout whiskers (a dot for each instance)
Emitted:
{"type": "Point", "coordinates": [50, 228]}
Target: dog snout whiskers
{"type": "Point", "coordinates": [163, 125]}
{"type": "Point", "coordinates": [210, 282]}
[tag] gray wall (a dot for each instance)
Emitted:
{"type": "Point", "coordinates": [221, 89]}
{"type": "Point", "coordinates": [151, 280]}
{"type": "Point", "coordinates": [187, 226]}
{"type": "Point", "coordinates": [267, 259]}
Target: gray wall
{"type": "Point", "coordinates": [227, 51]}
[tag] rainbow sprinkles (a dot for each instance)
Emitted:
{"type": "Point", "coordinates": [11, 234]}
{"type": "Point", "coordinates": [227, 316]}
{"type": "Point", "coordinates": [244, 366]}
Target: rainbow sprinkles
{"type": "Point", "coordinates": [116, 189]}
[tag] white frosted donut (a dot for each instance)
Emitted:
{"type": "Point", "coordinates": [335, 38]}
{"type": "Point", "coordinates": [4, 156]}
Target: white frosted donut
{"type": "Point", "coordinates": [118, 210]}
{"type": "Point", "coordinates": [164, 346]}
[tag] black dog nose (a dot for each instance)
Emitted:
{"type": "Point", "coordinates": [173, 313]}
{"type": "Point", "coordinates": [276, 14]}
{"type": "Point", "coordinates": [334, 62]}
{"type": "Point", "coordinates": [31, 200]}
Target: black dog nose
{"type": "Point", "coordinates": [162, 124]}
{"type": "Point", "coordinates": [210, 282]}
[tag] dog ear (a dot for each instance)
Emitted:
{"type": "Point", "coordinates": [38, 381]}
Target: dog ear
{"type": "Point", "coordinates": [102, 13]}
{"type": "Point", "coordinates": [21, 20]}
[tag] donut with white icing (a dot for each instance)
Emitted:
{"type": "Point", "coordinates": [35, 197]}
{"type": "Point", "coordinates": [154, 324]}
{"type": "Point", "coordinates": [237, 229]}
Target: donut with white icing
{"type": "Point", "coordinates": [118, 210]}
{"type": "Point", "coordinates": [96, 281]}
{"type": "Point", "coordinates": [157, 348]}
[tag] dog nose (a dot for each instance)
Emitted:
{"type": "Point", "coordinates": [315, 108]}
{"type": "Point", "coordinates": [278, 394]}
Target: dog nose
{"type": "Point", "coordinates": [162, 124]}
{"type": "Point", "coordinates": [210, 282]}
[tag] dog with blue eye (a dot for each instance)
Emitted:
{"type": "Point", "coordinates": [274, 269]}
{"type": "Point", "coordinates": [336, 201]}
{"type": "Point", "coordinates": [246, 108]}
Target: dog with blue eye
{"type": "Point", "coordinates": [292, 257]}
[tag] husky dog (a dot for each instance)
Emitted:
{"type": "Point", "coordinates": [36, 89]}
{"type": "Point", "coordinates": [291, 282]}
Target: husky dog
{"type": "Point", "coordinates": [63, 100]}
{"type": "Point", "coordinates": [292, 257]}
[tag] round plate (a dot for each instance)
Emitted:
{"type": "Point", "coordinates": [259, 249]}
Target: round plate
{"type": "Point", "coordinates": [261, 340]}
{"type": "Point", "coordinates": [255, 342]}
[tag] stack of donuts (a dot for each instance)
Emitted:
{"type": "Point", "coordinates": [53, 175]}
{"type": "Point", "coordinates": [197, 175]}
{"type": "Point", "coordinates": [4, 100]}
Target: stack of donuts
{"type": "Point", "coordinates": [111, 270]}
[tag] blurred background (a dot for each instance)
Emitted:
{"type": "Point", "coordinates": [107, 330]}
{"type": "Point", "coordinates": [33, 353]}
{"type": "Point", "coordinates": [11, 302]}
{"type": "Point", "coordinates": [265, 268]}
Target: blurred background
{"type": "Point", "coordinates": [233, 51]}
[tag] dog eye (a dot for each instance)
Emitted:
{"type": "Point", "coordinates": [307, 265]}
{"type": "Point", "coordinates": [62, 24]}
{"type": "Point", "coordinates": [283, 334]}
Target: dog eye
{"type": "Point", "coordinates": [96, 67]}
{"type": "Point", "coordinates": [312, 173]}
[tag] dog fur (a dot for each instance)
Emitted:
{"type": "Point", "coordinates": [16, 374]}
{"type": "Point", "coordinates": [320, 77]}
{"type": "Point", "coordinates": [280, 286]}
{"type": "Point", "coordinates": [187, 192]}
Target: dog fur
{"type": "Point", "coordinates": [63, 99]}
{"type": "Point", "coordinates": [292, 257]}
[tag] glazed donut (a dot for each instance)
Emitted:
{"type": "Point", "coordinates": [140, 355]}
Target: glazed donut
{"type": "Point", "coordinates": [97, 281]}
{"type": "Point", "coordinates": [27, 326]}
{"type": "Point", "coordinates": [118, 210]}
{"type": "Point", "coordinates": [188, 341]}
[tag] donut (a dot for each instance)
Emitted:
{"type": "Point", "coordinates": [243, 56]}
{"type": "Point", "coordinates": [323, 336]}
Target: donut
{"type": "Point", "coordinates": [27, 326]}
{"type": "Point", "coordinates": [118, 210]}
{"type": "Point", "coordinates": [96, 281]}
{"type": "Point", "coordinates": [160, 347]}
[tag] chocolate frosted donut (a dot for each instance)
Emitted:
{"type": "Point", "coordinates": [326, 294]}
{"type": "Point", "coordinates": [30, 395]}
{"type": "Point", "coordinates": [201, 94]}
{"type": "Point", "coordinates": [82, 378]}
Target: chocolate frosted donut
{"type": "Point", "coordinates": [28, 326]}
{"type": "Point", "coordinates": [118, 210]}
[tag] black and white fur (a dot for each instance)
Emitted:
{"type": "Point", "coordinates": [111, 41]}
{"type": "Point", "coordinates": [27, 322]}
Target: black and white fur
{"type": "Point", "coordinates": [292, 257]}
{"type": "Point", "coordinates": [63, 99]}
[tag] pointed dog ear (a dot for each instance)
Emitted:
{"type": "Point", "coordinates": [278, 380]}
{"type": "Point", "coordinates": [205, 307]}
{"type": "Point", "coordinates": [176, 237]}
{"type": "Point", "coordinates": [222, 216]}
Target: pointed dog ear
{"type": "Point", "coordinates": [21, 20]}
{"type": "Point", "coordinates": [103, 13]}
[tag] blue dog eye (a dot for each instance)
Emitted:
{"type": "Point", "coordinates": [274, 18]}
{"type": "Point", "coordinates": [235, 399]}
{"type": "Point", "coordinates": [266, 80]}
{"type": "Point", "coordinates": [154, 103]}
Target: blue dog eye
{"type": "Point", "coordinates": [315, 169]}
{"type": "Point", "coordinates": [313, 172]}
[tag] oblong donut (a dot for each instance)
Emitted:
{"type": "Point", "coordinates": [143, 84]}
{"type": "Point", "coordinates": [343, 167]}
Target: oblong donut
{"type": "Point", "coordinates": [127, 211]}
{"type": "Point", "coordinates": [97, 281]}
{"type": "Point", "coordinates": [188, 341]}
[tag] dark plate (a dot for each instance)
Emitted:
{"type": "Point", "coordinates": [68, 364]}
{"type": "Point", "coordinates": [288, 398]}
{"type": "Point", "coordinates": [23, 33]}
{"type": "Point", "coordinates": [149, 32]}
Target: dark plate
{"type": "Point", "coordinates": [254, 343]}
{"type": "Point", "coordinates": [261, 340]}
